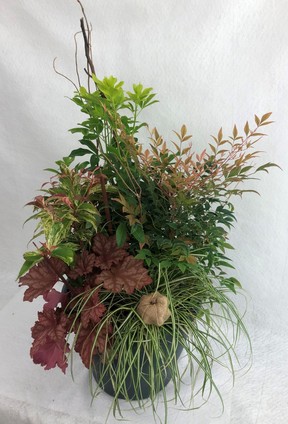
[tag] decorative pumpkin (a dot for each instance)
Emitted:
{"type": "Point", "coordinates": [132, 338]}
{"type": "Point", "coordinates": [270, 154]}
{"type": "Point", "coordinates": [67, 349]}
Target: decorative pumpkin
{"type": "Point", "coordinates": [154, 308]}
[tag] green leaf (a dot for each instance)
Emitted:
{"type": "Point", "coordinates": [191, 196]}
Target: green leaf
{"type": "Point", "coordinates": [68, 160]}
{"type": "Point", "coordinates": [78, 101]}
{"type": "Point", "coordinates": [265, 166]}
{"type": "Point", "coordinates": [83, 91]}
{"type": "Point", "coordinates": [32, 256]}
{"type": "Point", "coordinates": [29, 263]}
{"type": "Point", "coordinates": [88, 207]}
{"type": "Point", "coordinates": [225, 264]}
{"type": "Point", "coordinates": [138, 232]}
{"type": "Point", "coordinates": [245, 169]}
{"type": "Point", "coordinates": [165, 264]}
{"type": "Point", "coordinates": [143, 254]}
{"type": "Point", "coordinates": [249, 191]}
{"type": "Point", "coordinates": [81, 165]}
{"type": "Point", "coordinates": [148, 261]}
{"type": "Point", "coordinates": [88, 217]}
{"type": "Point", "coordinates": [235, 282]}
{"type": "Point", "coordinates": [57, 232]}
{"type": "Point", "coordinates": [228, 246]}
{"type": "Point", "coordinates": [231, 283]}
{"type": "Point", "coordinates": [234, 172]}
{"type": "Point", "coordinates": [55, 171]}
{"type": "Point", "coordinates": [112, 89]}
{"type": "Point", "coordinates": [182, 266]}
{"type": "Point", "coordinates": [78, 130]}
{"type": "Point", "coordinates": [80, 152]}
{"type": "Point", "coordinates": [94, 161]}
{"type": "Point", "coordinates": [89, 144]}
{"type": "Point", "coordinates": [65, 253]}
{"type": "Point", "coordinates": [121, 234]}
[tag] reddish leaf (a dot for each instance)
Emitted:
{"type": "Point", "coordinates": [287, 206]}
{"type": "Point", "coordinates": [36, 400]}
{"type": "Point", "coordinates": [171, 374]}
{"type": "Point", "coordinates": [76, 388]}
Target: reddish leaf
{"type": "Point", "coordinates": [42, 277]}
{"type": "Point", "coordinates": [93, 309]}
{"type": "Point", "coordinates": [50, 354]}
{"type": "Point", "coordinates": [87, 346]}
{"type": "Point", "coordinates": [50, 323]}
{"type": "Point", "coordinates": [38, 202]}
{"type": "Point", "coordinates": [130, 274]}
{"type": "Point", "coordinates": [53, 298]}
{"type": "Point", "coordinates": [91, 279]}
{"type": "Point", "coordinates": [84, 265]}
{"type": "Point", "coordinates": [49, 333]}
{"type": "Point", "coordinates": [62, 198]}
{"type": "Point", "coordinates": [107, 251]}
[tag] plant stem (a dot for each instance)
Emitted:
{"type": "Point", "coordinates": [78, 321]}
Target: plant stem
{"type": "Point", "coordinates": [87, 47]}
{"type": "Point", "coordinates": [106, 203]}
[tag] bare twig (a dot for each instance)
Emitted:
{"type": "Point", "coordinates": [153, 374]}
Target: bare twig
{"type": "Point", "coordinates": [89, 75]}
{"type": "Point", "coordinates": [62, 75]}
{"type": "Point", "coordinates": [87, 44]}
{"type": "Point", "coordinates": [76, 57]}
{"type": "Point", "coordinates": [106, 203]}
{"type": "Point", "coordinates": [89, 30]}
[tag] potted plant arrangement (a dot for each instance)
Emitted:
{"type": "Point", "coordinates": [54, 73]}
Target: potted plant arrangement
{"type": "Point", "coordinates": [138, 238]}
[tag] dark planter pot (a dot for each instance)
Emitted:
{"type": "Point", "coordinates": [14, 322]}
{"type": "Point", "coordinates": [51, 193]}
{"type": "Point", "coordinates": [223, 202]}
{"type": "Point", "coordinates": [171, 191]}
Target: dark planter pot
{"type": "Point", "coordinates": [143, 387]}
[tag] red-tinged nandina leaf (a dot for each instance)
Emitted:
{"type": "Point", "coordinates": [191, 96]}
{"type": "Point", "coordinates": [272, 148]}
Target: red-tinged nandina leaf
{"type": "Point", "coordinates": [83, 265]}
{"type": "Point", "coordinates": [50, 354]}
{"type": "Point", "coordinates": [62, 198]}
{"type": "Point", "coordinates": [93, 309]}
{"type": "Point", "coordinates": [53, 298]}
{"type": "Point", "coordinates": [107, 251]}
{"type": "Point", "coordinates": [87, 345]}
{"type": "Point", "coordinates": [41, 277]}
{"type": "Point", "coordinates": [129, 275]}
{"type": "Point", "coordinates": [38, 202]}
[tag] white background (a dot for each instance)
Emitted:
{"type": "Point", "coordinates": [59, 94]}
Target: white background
{"type": "Point", "coordinates": [213, 63]}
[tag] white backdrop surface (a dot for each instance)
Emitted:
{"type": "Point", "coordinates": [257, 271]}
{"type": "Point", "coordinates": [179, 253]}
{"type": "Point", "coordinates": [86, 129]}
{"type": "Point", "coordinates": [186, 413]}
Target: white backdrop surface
{"type": "Point", "coordinates": [212, 63]}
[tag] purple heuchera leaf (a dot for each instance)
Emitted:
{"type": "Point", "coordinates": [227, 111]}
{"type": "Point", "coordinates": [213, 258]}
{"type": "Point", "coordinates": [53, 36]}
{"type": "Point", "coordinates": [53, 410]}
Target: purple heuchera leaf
{"type": "Point", "coordinates": [49, 332]}
{"type": "Point", "coordinates": [93, 309]}
{"type": "Point", "coordinates": [128, 275]}
{"type": "Point", "coordinates": [87, 345]}
{"type": "Point", "coordinates": [42, 277]}
{"type": "Point", "coordinates": [51, 353]}
{"type": "Point", "coordinates": [83, 266]}
{"type": "Point", "coordinates": [107, 252]}
{"type": "Point", "coordinates": [53, 298]}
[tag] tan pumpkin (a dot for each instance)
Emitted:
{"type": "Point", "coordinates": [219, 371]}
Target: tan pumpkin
{"type": "Point", "coordinates": [154, 308]}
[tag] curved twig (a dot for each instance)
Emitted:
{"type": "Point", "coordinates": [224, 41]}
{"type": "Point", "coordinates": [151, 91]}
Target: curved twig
{"type": "Point", "coordinates": [62, 75]}
{"type": "Point", "coordinates": [76, 57]}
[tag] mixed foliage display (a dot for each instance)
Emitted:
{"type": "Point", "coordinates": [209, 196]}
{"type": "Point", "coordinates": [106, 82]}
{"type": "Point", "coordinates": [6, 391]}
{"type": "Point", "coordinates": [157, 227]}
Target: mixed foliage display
{"type": "Point", "coordinates": [127, 222]}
